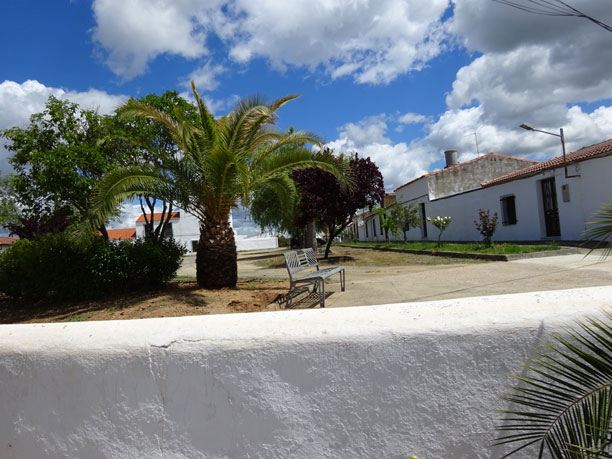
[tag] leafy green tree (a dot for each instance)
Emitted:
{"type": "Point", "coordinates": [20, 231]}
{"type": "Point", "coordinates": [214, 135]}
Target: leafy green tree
{"type": "Point", "coordinates": [218, 162]}
{"type": "Point", "coordinates": [9, 210]}
{"type": "Point", "coordinates": [267, 211]}
{"type": "Point", "coordinates": [441, 223]}
{"type": "Point", "coordinates": [404, 218]}
{"type": "Point", "coordinates": [150, 142]}
{"type": "Point", "coordinates": [388, 224]}
{"type": "Point", "coordinates": [58, 158]}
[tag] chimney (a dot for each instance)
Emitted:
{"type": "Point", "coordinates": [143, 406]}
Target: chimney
{"type": "Point", "coordinates": [451, 157]}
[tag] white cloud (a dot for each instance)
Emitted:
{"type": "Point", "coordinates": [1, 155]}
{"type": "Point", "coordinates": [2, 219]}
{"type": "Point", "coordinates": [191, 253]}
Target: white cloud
{"type": "Point", "coordinates": [127, 218]}
{"type": "Point", "coordinates": [134, 32]}
{"type": "Point", "coordinates": [205, 77]}
{"type": "Point", "coordinates": [412, 118]}
{"type": "Point", "coordinates": [533, 69]}
{"type": "Point", "coordinates": [374, 41]}
{"type": "Point", "coordinates": [19, 101]}
{"type": "Point", "coordinates": [398, 162]}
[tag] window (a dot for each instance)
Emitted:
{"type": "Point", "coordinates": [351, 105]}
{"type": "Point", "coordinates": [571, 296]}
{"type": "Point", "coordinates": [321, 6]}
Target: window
{"type": "Point", "coordinates": [194, 246]}
{"type": "Point", "coordinates": [380, 223]}
{"type": "Point", "coordinates": [366, 225]}
{"type": "Point", "coordinates": [508, 208]}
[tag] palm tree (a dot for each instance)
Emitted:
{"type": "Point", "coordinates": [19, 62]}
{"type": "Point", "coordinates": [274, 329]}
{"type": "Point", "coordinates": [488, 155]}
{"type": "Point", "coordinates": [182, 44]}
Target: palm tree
{"type": "Point", "coordinates": [564, 400]}
{"type": "Point", "coordinates": [219, 162]}
{"type": "Point", "coordinates": [563, 403]}
{"type": "Point", "coordinates": [601, 232]}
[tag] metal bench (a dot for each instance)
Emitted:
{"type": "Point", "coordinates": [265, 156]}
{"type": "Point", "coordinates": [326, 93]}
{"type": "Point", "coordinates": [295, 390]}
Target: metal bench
{"type": "Point", "coordinates": [301, 260]}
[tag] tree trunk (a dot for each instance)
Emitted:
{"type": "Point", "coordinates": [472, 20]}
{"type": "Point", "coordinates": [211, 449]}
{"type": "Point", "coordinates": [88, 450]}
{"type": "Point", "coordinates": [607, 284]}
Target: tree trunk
{"type": "Point", "coordinates": [216, 260]}
{"type": "Point", "coordinates": [103, 231]}
{"type": "Point", "coordinates": [332, 235]}
{"type": "Point", "coordinates": [311, 236]}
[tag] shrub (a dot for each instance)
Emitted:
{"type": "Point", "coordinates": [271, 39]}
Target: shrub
{"type": "Point", "coordinates": [54, 267]}
{"type": "Point", "coordinates": [284, 241]}
{"type": "Point", "coordinates": [441, 223]}
{"type": "Point", "coordinates": [486, 225]}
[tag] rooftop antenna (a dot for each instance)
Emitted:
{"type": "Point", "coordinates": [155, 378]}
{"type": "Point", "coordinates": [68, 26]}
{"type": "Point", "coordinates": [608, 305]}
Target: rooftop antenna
{"type": "Point", "coordinates": [476, 139]}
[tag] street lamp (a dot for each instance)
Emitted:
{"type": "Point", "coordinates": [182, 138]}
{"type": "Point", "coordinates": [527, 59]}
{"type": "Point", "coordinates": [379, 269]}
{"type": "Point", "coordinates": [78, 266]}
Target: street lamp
{"type": "Point", "coordinates": [560, 135]}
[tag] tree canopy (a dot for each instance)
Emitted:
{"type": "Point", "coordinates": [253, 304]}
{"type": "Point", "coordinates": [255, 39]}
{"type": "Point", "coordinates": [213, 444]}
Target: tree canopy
{"type": "Point", "coordinates": [323, 198]}
{"type": "Point", "coordinates": [58, 158]}
{"type": "Point", "coordinates": [218, 163]}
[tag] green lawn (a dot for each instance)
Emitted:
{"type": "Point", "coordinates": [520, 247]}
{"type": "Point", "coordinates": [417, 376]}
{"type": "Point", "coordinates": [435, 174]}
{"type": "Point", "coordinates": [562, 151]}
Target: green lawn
{"type": "Point", "coordinates": [502, 249]}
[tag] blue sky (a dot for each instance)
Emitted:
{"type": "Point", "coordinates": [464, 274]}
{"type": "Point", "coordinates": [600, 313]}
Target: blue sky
{"type": "Point", "coordinates": [397, 80]}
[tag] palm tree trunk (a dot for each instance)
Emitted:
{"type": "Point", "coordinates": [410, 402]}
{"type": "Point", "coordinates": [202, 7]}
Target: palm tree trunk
{"type": "Point", "coordinates": [216, 260]}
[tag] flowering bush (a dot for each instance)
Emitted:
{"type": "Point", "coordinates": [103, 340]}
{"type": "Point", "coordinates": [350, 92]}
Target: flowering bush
{"type": "Point", "coordinates": [486, 225]}
{"type": "Point", "coordinates": [441, 223]}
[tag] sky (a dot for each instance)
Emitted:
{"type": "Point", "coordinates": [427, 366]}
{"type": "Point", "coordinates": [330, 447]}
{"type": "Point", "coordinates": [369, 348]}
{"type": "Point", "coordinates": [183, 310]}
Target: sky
{"type": "Point", "coordinates": [399, 81]}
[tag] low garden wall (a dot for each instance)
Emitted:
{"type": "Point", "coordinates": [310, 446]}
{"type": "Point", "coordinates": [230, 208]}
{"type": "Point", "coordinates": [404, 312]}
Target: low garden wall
{"type": "Point", "coordinates": [388, 381]}
{"type": "Point", "coordinates": [256, 243]}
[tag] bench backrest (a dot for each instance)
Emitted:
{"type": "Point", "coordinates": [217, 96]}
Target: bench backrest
{"type": "Point", "coordinates": [299, 260]}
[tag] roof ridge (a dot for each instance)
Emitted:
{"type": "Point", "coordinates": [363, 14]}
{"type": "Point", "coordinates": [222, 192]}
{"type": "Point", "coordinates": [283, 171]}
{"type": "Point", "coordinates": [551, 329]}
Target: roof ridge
{"type": "Point", "coordinates": [478, 158]}
{"type": "Point", "coordinates": [595, 150]}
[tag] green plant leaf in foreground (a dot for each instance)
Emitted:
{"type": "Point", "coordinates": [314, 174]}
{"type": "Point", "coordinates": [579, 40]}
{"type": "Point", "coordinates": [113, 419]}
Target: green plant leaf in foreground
{"type": "Point", "coordinates": [601, 230]}
{"type": "Point", "coordinates": [563, 402]}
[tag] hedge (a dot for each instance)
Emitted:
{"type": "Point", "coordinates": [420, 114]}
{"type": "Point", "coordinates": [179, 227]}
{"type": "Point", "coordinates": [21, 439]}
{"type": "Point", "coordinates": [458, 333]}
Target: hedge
{"type": "Point", "coordinates": [55, 267]}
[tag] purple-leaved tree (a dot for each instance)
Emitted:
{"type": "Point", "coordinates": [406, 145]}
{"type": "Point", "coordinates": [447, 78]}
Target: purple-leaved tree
{"type": "Point", "coordinates": [334, 206]}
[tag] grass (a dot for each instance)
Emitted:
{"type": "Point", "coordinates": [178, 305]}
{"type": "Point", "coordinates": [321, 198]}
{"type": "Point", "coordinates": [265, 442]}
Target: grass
{"type": "Point", "coordinates": [499, 249]}
{"type": "Point", "coordinates": [348, 256]}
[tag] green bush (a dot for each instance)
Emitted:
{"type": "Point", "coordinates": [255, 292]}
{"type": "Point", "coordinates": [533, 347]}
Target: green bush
{"type": "Point", "coordinates": [54, 267]}
{"type": "Point", "coordinates": [284, 241]}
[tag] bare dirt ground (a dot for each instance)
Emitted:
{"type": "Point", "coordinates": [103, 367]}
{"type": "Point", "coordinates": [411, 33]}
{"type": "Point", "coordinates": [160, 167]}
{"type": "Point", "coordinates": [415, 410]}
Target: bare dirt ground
{"type": "Point", "coordinates": [263, 280]}
{"type": "Point", "coordinates": [373, 277]}
{"type": "Point", "coordinates": [182, 298]}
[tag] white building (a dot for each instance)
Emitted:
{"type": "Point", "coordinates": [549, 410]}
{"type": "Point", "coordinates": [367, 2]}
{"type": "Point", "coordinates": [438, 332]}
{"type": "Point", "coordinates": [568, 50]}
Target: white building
{"type": "Point", "coordinates": [185, 229]}
{"type": "Point", "coordinates": [182, 226]}
{"type": "Point", "coordinates": [550, 200]}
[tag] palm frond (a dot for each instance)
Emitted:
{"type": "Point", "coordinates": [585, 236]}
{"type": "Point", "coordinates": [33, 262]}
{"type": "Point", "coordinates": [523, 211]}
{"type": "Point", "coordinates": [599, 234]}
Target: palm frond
{"type": "Point", "coordinates": [278, 103]}
{"type": "Point", "coordinates": [133, 108]}
{"type": "Point", "coordinates": [298, 158]}
{"type": "Point", "coordinates": [206, 119]}
{"type": "Point", "coordinates": [123, 184]}
{"type": "Point", "coordinates": [564, 402]}
{"type": "Point", "coordinates": [601, 233]}
{"type": "Point", "coordinates": [284, 189]}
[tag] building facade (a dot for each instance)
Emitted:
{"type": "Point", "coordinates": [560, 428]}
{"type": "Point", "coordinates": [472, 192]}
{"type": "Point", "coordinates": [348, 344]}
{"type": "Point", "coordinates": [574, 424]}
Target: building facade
{"type": "Point", "coordinates": [537, 201]}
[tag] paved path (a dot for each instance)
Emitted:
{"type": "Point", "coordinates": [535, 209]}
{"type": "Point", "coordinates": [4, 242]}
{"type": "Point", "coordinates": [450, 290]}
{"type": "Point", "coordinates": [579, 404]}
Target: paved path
{"type": "Point", "coordinates": [398, 284]}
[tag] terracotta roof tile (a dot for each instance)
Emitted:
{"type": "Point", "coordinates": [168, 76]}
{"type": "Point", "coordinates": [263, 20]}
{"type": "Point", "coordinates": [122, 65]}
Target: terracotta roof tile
{"type": "Point", "coordinates": [463, 164]}
{"type": "Point", "coordinates": [5, 240]}
{"type": "Point", "coordinates": [157, 217]}
{"type": "Point", "coordinates": [593, 151]}
{"type": "Point", "coordinates": [122, 233]}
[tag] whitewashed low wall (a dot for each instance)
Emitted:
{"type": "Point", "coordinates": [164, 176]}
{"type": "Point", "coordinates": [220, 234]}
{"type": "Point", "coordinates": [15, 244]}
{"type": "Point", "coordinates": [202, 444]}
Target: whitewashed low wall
{"type": "Point", "coordinates": [256, 243]}
{"type": "Point", "coordinates": [387, 381]}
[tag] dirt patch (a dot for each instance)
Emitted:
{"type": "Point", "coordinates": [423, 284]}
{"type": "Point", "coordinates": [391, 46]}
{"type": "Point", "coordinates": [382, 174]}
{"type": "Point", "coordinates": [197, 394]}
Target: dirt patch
{"type": "Point", "coordinates": [349, 256]}
{"type": "Point", "coordinates": [183, 298]}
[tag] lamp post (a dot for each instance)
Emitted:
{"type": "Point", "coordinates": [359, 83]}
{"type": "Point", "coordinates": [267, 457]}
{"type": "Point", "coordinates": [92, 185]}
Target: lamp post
{"type": "Point", "coordinates": [560, 135]}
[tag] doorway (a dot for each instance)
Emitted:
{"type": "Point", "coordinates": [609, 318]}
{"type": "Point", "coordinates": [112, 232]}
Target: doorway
{"type": "Point", "coordinates": [551, 210]}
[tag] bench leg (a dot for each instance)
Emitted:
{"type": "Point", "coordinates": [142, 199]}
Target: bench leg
{"type": "Point", "coordinates": [323, 293]}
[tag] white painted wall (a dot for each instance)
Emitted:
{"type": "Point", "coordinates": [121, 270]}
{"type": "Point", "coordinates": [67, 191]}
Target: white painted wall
{"type": "Point", "coordinates": [588, 192]}
{"type": "Point", "coordinates": [367, 382]}
{"type": "Point", "coordinates": [256, 243]}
